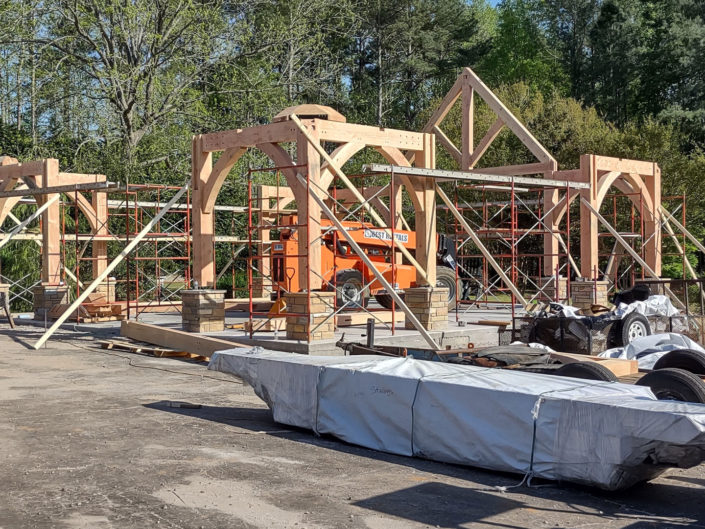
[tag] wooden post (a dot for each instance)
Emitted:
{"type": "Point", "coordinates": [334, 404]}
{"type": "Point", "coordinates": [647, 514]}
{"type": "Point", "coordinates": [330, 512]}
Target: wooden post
{"type": "Point", "coordinates": [99, 201]}
{"type": "Point", "coordinates": [550, 242]}
{"type": "Point", "coordinates": [652, 221]}
{"type": "Point", "coordinates": [203, 223]}
{"type": "Point", "coordinates": [51, 226]}
{"type": "Point", "coordinates": [426, 238]}
{"type": "Point", "coordinates": [310, 240]}
{"type": "Point", "coordinates": [468, 121]}
{"type": "Point", "coordinates": [588, 222]}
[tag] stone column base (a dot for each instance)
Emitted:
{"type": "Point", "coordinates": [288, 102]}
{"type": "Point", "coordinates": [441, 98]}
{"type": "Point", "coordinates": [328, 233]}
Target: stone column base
{"type": "Point", "coordinates": [203, 310]}
{"type": "Point", "coordinates": [548, 288]}
{"type": "Point", "coordinates": [585, 293]}
{"type": "Point", "coordinates": [429, 305]}
{"type": "Point", "coordinates": [300, 323]}
{"type": "Point", "coordinates": [108, 290]}
{"type": "Point", "coordinates": [46, 297]}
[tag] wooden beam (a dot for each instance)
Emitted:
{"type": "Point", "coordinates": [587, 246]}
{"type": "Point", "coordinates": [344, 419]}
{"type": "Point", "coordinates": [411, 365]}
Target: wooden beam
{"type": "Point", "coordinates": [370, 265]}
{"type": "Point", "coordinates": [279, 132]}
{"type": "Point", "coordinates": [476, 240]}
{"type": "Point", "coordinates": [336, 132]}
{"type": "Point", "coordinates": [448, 101]}
{"type": "Point", "coordinates": [467, 141]}
{"type": "Point", "coordinates": [376, 216]}
{"type": "Point", "coordinates": [104, 186]}
{"type": "Point", "coordinates": [113, 264]}
{"type": "Point", "coordinates": [443, 174]}
{"type": "Point", "coordinates": [449, 146]}
{"type": "Point", "coordinates": [22, 169]}
{"type": "Point", "coordinates": [175, 339]}
{"type": "Point", "coordinates": [624, 165]}
{"type": "Point", "coordinates": [80, 178]}
{"type": "Point", "coordinates": [485, 142]}
{"type": "Point", "coordinates": [516, 126]}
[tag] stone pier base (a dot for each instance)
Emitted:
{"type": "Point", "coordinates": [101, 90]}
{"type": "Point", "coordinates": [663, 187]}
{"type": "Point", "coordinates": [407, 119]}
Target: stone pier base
{"type": "Point", "coordinates": [585, 293]}
{"type": "Point", "coordinates": [46, 297]}
{"type": "Point", "coordinates": [429, 305]}
{"type": "Point", "coordinates": [308, 325]}
{"type": "Point", "coordinates": [203, 310]}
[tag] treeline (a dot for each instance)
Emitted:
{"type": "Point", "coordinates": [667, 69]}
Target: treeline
{"type": "Point", "coordinates": [120, 86]}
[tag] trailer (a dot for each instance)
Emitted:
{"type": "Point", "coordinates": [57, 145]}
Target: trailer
{"type": "Point", "coordinates": [679, 375]}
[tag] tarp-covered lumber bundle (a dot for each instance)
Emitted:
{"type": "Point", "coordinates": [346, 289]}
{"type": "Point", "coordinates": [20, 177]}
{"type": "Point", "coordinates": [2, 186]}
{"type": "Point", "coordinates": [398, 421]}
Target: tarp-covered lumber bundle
{"type": "Point", "coordinates": [604, 434]}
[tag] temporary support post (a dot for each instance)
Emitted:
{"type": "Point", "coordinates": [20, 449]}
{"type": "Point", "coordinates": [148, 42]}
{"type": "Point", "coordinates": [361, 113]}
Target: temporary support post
{"type": "Point", "coordinates": [476, 240]}
{"type": "Point", "coordinates": [370, 265]}
{"type": "Point", "coordinates": [630, 250]}
{"type": "Point", "coordinates": [338, 171]}
{"type": "Point", "coordinates": [22, 225]}
{"type": "Point", "coordinates": [98, 280]}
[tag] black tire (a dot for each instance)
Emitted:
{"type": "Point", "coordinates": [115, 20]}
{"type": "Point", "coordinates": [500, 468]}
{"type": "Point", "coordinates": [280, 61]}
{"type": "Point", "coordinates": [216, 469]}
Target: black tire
{"type": "Point", "coordinates": [633, 326]}
{"type": "Point", "coordinates": [685, 359]}
{"type": "Point", "coordinates": [385, 299]}
{"type": "Point", "coordinates": [349, 285]}
{"type": "Point", "coordinates": [674, 384]}
{"type": "Point", "coordinates": [586, 370]}
{"type": "Point", "coordinates": [445, 277]}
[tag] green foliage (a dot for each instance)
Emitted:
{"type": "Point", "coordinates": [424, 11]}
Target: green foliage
{"type": "Point", "coordinates": [120, 87]}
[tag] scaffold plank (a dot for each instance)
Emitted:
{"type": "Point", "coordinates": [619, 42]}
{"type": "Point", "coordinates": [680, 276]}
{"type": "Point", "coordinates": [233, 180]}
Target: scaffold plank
{"type": "Point", "coordinates": [475, 176]}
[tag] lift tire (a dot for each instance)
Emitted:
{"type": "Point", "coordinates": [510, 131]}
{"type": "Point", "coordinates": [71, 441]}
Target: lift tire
{"type": "Point", "coordinates": [633, 326]}
{"type": "Point", "coordinates": [685, 359]}
{"type": "Point", "coordinates": [587, 370]}
{"type": "Point", "coordinates": [674, 384]}
{"type": "Point", "coordinates": [385, 299]}
{"type": "Point", "coordinates": [445, 277]}
{"type": "Point", "coordinates": [349, 285]}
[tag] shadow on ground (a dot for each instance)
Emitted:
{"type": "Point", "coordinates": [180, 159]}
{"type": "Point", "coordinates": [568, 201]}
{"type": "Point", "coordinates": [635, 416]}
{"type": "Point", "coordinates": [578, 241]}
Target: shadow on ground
{"type": "Point", "coordinates": [441, 504]}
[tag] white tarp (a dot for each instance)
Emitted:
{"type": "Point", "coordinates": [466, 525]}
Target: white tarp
{"type": "Point", "coordinates": [604, 434]}
{"type": "Point", "coordinates": [648, 349]}
{"type": "Point", "coordinates": [656, 305]}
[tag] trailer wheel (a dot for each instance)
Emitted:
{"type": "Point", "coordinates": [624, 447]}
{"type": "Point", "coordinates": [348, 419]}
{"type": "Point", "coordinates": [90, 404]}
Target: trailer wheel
{"type": "Point", "coordinates": [588, 370]}
{"type": "Point", "coordinates": [633, 326]}
{"type": "Point", "coordinates": [686, 359]}
{"type": "Point", "coordinates": [349, 289]}
{"type": "Point", "coordinates": [445, 278]}
{"type": "Point", "coordinates": [674, 384]}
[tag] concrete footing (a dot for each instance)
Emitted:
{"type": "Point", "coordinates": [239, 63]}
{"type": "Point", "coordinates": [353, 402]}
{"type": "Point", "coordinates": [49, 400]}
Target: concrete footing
{"type": "Point", "coordinates": [203, 310]}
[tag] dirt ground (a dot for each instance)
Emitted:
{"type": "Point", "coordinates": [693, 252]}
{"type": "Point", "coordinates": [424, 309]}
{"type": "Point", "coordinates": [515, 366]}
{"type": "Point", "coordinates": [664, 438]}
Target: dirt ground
{"type": "Point", "coordinates": [89, 441]}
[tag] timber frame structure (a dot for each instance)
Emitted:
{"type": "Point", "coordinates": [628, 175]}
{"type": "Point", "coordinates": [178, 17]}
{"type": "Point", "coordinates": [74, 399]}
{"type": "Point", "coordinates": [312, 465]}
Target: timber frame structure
{"type": "Point", "coordinates": [307, 127]}
{"type": "Point", "coordinates": [310, 144]}
{"type": "Point", "coordinates": [43, 180]}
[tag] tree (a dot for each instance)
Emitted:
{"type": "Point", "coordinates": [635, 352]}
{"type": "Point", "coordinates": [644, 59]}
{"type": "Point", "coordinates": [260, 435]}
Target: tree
{"type": "Point", "coordinates": [145, 60]}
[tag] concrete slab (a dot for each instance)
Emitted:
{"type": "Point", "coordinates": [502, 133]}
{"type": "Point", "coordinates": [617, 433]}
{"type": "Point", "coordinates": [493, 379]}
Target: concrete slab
{"type": "Point", "coordinates": [90, 441]}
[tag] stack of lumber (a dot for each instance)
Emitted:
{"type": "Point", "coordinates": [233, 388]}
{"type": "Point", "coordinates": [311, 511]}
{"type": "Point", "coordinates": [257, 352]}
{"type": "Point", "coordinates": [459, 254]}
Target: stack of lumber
{"type": "Point", "coordinates": [148, 349]}
{"type": "Point", "coordinates": [96, 309]}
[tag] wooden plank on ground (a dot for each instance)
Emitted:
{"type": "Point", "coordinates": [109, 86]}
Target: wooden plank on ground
{"type": "Point", "coordinates": [347, 319]}
{"type": "Point", "coordinates": [184, 341]}
{"type": "Point", "coordinates": [619, 366]}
